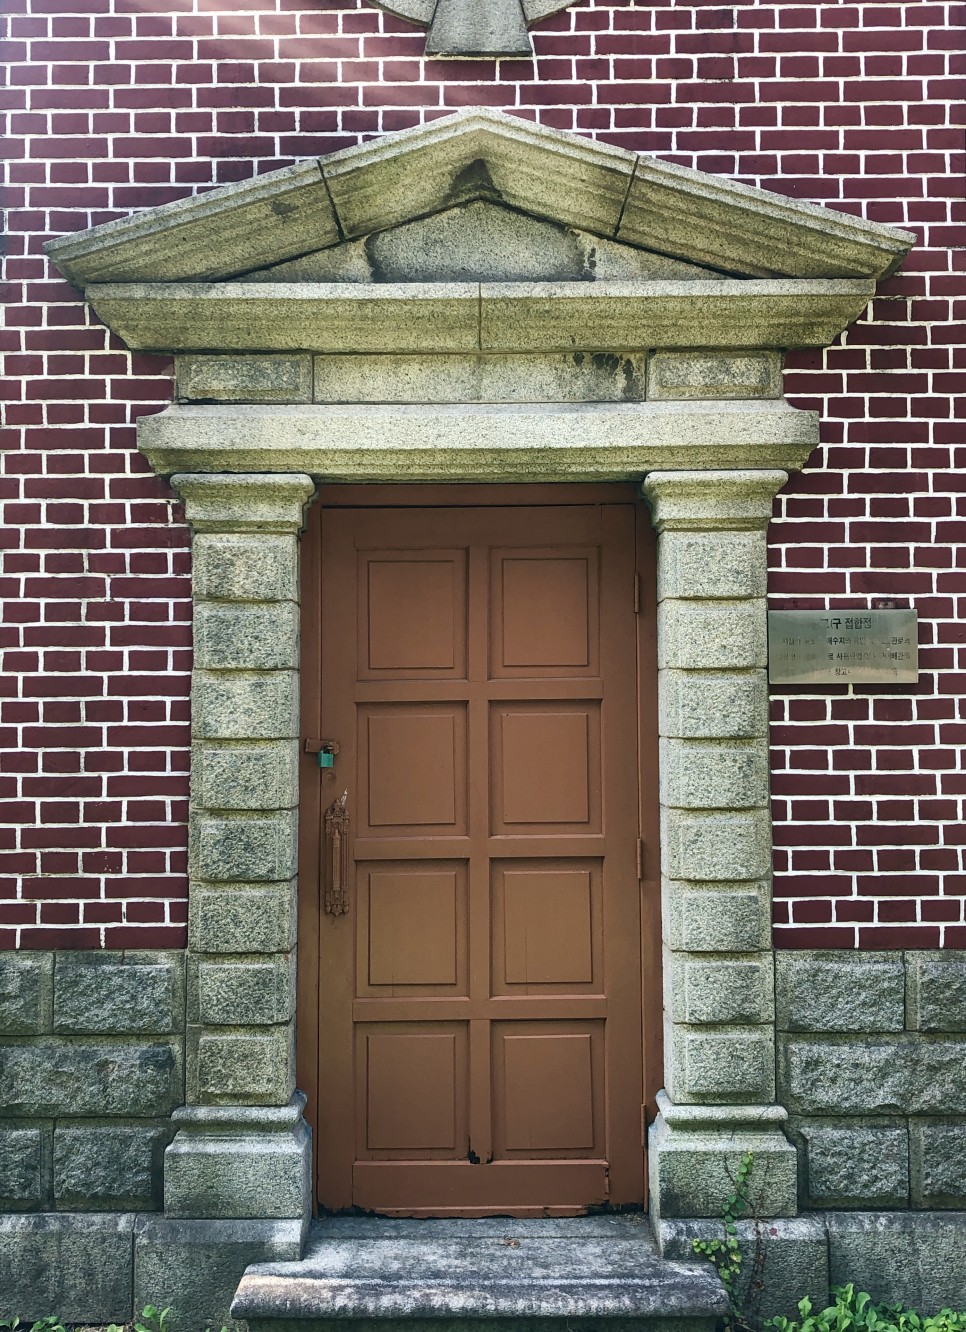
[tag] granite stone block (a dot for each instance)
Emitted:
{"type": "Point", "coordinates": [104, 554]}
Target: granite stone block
{"type": "Point", "coordinates": [912, 1257]}
{"type": "Point", "coordinates": [713, 704]}
{"type": "Point", "coordinates": [90, 1078]}
{"type": "Point", "coordinates": [855, 1164]}
{"type": "Point", "coordinates": [195, 1266]}
{"type": "Point", "coordinates": [692, 1173]}
{"type": "Point", "coordinates": [242, 918]}
{"type": "Point", "coordinates": [246, 993]}
{"type": "Point", "coordinates": [246, 637]}
{"type": "Point", "coordinates": [840, 1077]}
{"type": "Point", "coordinates": [256, 1068]}
{"type": "Point", "coordinates": [111, 1167]}
{"type": "Point", "coordinates": [937, 991]}
{"type": "Point", "coordinates": [712, 918]}
{"type": "Point", "coordinates": [714, 776]}
{"type": "Point", "coordinates": [721, 991]}
{"type": "Point", "coordinates": [717, 847]}
{"type": "Point", "coordinates": [788, 1255]}
{"type": "Point", "coordinates": [22, 1167]}
{"type": "Point", "coordinates": [840, 991]}
{"type": "Point", "coordinates": [77, 1265]}
{"type": "Point", "coordinates": [712, 635]}
{"type": "Point", "coordinates": [684, 374]}
{"type": "Point", "coordinates": [709, 565]}
{"type": "Point", "coordinates": [243, 777]}
{"type": "Point", "coordinates": [245, 566]}
{"type": "Point", "coordinates": [731, 1066]}
{"type": "Point", "coordinates": [26, 993]}
{"type": "Point", "coordinates": [938, 1162]}
{"type": "Point", "coordinates": [244, 705]}
{"type": "Point", "coordinates": [244, 378]}
{"type": "Point", "coordinates": [244, 849]}
{"type": "Point", "coordinates": [118, 993]}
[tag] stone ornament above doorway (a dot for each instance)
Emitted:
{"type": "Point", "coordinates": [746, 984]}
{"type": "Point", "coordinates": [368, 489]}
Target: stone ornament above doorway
{"type": "Point", "coordinates": [488, 28]}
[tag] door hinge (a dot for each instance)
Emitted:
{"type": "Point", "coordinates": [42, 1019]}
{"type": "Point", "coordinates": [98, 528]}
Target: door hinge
{"type": "Point", "coordinates": [640, 858]}
{"type": "Point", "coordinates": [637, 594]}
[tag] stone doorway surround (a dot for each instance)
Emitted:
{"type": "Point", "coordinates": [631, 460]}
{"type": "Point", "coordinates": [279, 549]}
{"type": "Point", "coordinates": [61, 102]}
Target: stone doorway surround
{"type": "Point", "coordinates": [481, 301]}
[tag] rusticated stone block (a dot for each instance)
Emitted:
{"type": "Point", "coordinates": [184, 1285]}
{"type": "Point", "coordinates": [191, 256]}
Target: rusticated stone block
{"type": "Point", "coordinates": [860, 1077]}
{"type": "Point", "coordinates": [257, 1068]}
{"type": "Point", "coordinates": [938, 1162]}
{"type": "Point", "coordinates": [708, 918]}
{"type": "Point", "coordinates": [839, 991]}
{"type": "Point", "coordinates": [712, 635]}
{"type": "Point", "coordinates": [713, 705]}
{"type": "Point", "coordinates": [246, 994]}
{"type": "Point", "coordinates": [722, 847]}
{"type": "Point", "coordinates": [242, 566]}
{"type": "Point", "coordinates": [240, 918]}
{"type": "Point", "coordinates": [244, 705]}
{"type": "Point", "coordinates": [736, 992]}
{"type": "Point", "coordinates": [78, 1265]}
{"type": "Point", "coordinates": [22, 1167]}
{"type": "Point", "coordinates": [26, 991]}
{"type": "Point", "coordinates": [111, 1167]}
{"type": "Point", "coordinates": [246, 637]}
{"type": "Point", "coordinates": [937, 991]}
{"type": "Point", "coordinates": [90, 1078]}
{"type": "Point", "coordinates": [854, 1164]}
{"type": "Point", "coordinates": [714, 776]}
{"type": "Point", "coordinates": [118, 993]}
{"type": "Point", "coordinates": [246, 777]}
{"type": "Point", "coordinates": [244, 378]}
{"type": "Point", "coordinates": [724, 1066]}
{"type": "Point", "coordinates": [245, 849]}
{"type": "Point", "coordinates": [697, 565]}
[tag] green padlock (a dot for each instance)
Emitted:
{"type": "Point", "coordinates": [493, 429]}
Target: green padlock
{"type": "Point", "coordinates": [326, 758]}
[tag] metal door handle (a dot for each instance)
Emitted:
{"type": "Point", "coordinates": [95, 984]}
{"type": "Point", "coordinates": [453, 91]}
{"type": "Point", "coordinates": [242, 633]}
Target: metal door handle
{"type": "Point", "coordinates": [335, 859]}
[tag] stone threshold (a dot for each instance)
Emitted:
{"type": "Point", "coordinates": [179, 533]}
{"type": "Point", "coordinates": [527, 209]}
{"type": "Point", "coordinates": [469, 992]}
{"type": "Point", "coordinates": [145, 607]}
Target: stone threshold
{"type": "Point", "coordinates": [368, 1272]}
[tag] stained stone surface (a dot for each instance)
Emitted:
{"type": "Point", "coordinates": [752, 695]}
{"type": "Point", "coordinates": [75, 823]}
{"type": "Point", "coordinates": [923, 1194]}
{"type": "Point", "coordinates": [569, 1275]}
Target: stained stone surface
{"type": "Point", "coordinates": [856, 1164]}
{"type": "Point", "coordinates": [90, 1078]}
{"type": "Point", "coordinates": [21, 1167]}
{"type": "Point", "coordinates": [111, 1167]}
{"type": "Point", "coordinates": [118, 993]}
{"type": "Point", "coordinates": [913, 1257]}
{"type": "Point", "coordinates": [25, 993]}
{"type": "Point", "coordinates": [595, 1267]}
{"type": "Point", "coordinates": [80, 1266]}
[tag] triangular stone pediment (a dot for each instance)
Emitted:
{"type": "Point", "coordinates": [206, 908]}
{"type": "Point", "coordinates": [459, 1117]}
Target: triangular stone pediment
{"type": "Point", "coordinates": [481, 242]}
{"type": "Point", "coordinates": [392, 187]}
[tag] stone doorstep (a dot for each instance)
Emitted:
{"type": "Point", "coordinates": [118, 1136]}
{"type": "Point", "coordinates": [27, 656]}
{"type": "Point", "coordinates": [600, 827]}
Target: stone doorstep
{"type": "Point", "coordinates": [361, 1272]}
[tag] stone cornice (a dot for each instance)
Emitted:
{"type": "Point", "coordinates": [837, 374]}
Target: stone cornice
{"type": "Point", "coordinates": [482, 154]}
{"type": "Point", "coordinates": [525, 442]}
{"type": "Point", "coordinates": [470, 317]}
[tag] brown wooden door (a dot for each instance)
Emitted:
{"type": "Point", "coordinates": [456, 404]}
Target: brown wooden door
{"type": "Point", "coordinates": [479, 1030]}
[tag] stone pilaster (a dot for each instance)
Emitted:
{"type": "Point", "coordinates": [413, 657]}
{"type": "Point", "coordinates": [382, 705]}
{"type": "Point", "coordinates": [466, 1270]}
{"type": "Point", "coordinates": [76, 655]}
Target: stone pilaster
{"type": "Point", "coordinates": [242, 1148]}
{"type": "Point", "coordinates": [716, 840]}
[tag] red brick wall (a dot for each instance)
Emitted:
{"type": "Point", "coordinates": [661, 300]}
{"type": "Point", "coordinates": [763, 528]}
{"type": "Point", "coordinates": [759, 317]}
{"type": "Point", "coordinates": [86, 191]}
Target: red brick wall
{"type": "Point", "coordinates": [116, 105]}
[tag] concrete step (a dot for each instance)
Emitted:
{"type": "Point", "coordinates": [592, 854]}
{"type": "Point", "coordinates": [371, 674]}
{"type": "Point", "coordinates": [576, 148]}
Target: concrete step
{"type": "Point", "coordinates": [361, 1274]}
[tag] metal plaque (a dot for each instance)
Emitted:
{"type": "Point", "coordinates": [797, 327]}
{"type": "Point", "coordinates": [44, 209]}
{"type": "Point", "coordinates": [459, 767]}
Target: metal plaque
{"type": "Point", "coordinates": [843, 647]}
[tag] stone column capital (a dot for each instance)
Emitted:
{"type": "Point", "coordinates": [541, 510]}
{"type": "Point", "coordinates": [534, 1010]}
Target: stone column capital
{"type": "Point", "coordinates": [709, 501]}
{"type": "Point", "coordinates": [244, 502]}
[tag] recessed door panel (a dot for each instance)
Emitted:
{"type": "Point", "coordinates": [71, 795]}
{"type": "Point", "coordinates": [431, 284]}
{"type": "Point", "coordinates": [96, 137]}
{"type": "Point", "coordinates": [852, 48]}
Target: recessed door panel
{"type": "Point", "coordinates": [479, 1004]}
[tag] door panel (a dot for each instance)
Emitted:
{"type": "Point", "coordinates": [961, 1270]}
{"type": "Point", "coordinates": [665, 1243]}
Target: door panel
{"type": "Point", "coordinates": [479, 1007]}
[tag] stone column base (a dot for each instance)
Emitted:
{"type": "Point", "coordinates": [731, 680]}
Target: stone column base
{"type": "Point", "coordinates": [240, 1162]}
{"type": "Point", "coordinates": [694, 1152]}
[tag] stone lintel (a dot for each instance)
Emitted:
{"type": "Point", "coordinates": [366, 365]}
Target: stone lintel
{"type": "Point", "coordinates": [455, 442]}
